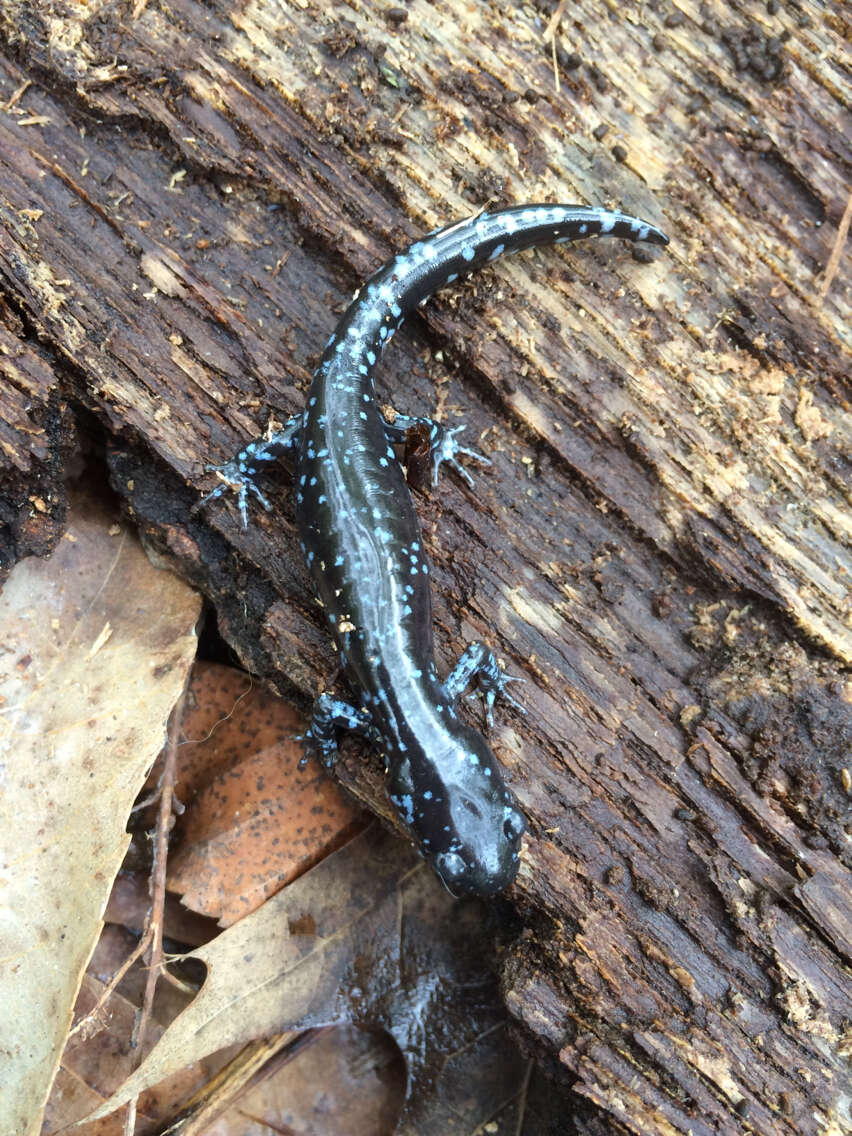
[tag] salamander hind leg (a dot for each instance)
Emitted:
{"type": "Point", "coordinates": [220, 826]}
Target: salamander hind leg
{"type": "Point", "coordinates": [239, 473]}
{"type": "Point", "coordinates": [331, 714]}
{"type": "Point", "coordinates": [443, 446]}
{"type": "Point", "coordinates": [479, 662]}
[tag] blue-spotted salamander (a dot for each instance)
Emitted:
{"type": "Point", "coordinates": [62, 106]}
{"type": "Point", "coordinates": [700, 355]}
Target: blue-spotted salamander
{"type": "Point", "coordinates": [362, 542]}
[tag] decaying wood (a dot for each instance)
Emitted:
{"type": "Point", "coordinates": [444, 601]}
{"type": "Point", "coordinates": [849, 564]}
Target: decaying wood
{"type": "Point", "coordinates": [189, 193]}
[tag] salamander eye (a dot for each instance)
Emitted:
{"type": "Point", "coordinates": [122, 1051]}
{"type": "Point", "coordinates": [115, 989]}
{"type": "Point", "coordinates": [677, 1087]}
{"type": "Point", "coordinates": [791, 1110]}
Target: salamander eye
{"type": "Point", "coordinates": [472, 808]}
{"type": "Point", "coordinates": [514, 825]}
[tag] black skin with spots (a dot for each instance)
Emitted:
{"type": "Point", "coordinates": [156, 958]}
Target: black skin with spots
{"type": "Point", "coordinates": [362, 541]}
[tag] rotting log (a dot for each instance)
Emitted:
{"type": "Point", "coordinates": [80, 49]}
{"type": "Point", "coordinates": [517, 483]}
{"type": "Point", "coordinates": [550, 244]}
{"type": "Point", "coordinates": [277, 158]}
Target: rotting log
{"type": "Point", "coordinates": [190, 192]}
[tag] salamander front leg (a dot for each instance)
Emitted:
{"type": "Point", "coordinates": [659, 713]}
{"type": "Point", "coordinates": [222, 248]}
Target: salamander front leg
{"type": "Point", "coordinates": [443, 446]}
{"type": "Point", "coordinates": [239, 473]}
{"type": "Point", "coordinates": [479, 662]}
{"type": "Point", "coordinates": [331, 714]}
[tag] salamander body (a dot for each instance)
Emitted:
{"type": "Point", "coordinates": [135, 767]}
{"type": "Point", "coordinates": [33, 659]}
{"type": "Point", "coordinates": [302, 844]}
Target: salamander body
{"type": "Point", "coordinates": [362, 542]}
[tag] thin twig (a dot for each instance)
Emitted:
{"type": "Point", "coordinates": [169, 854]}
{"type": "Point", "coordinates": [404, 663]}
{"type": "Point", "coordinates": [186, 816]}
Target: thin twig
{"type": "Point", "coordinates": [17, 94]}
{"type": "Point", "coordinates": [146, 801]}
{"type": "Point", "coordinates": [522, 1098]}
{"type": "Point", "coordinates": [109, 989]}
{"type": "Point", "coordinates": [78, 189]}
{"type": "Point", "coordinates": [154, 926]}
{"type": "Point", "coordinates": [837, 251]}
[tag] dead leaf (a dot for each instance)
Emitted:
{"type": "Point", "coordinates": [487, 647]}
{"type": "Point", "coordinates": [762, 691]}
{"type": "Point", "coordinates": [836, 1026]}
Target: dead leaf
{"type": "Point", "coordinates": [130, 903]}
{"type": "Point", "coordinates": [96, 1061]}
{"type": "Point", "coordinates": [80, 728]}
{"type": "Point", "coordinates": [254, 820]}
{"type": "Point", "coordinates": [368, 935]}
{"type": "Point", "coordinates": [348, 1082]}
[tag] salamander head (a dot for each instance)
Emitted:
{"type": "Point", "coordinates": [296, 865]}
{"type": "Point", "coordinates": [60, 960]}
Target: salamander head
{"type": "Point", "coordinates": [466, 822]}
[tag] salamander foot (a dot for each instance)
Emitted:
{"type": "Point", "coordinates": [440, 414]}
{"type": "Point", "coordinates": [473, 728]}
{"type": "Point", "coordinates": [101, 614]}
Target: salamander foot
{"type": "Point", "coordinates": [329, 715]}
{"type": "Point", "coordinates": [238, 474]}
{"type": "Point", "coordinates": [479, 662]}
{"type": "Point", "coordinates": [443, 446]}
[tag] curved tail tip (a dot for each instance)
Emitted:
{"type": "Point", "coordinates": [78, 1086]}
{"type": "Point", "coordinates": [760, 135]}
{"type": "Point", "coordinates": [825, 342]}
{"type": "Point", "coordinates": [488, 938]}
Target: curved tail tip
{"type": "Point", "coordinates": [645, 231]}
{"type": "Point", "coordinates": [633, 228]}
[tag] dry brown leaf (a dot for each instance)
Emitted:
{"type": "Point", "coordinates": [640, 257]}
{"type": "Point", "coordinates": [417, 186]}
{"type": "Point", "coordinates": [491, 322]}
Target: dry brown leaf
{"type": "Point", "coordinates": [268, 970]}
{"type": "Point", "coordinates": [367, 935]}
{"type": "Point", "coordinates": [349, 1082]}
{"type": "Point", "coordinates": [96, 1061]}
{"type": "Point", "coordinates": [96, 647]}
{"type": "Point", "coordinates": [129, 906]}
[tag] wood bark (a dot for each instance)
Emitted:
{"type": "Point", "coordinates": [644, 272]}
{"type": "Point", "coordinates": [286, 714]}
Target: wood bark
{"type": "Point", "coordinates": [190, 192]}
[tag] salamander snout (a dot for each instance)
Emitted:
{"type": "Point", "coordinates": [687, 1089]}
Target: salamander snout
{"type": "Point", "coordinates": [483, 859]}
{"type": "Point", "coordinates": [463, 875]}
{"type": "Point", "coordinates": [464, 819]}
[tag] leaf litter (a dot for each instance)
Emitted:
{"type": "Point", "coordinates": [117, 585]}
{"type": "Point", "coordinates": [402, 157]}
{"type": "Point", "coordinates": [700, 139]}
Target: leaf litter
{"type": "Point", "coordinates": [369, 936]}
{"type": "Point", "coordinates": [331, 926]}
{"type": "Point", "coordinates": [96, 645]}
{"type": "Point", "coordinates": [254, 821]}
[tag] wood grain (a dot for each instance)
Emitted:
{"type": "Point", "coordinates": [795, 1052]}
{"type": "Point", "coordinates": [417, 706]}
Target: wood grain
{"type": "Point", "coordinates": [662, 545]}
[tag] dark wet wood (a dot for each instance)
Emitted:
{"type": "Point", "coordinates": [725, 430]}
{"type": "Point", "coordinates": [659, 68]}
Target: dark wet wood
{"type": "Point", "coordinates": [661, 547]}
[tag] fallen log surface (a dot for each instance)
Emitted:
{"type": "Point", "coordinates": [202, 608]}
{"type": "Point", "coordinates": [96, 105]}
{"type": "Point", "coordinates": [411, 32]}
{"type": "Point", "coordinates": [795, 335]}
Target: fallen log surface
{"type": "Point", "coordinates": [189, 193]}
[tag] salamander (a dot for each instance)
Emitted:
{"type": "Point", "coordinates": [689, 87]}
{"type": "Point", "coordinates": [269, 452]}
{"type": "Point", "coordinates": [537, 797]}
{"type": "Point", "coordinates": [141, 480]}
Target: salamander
{"type": "Point", "coordinates": [362, 542]}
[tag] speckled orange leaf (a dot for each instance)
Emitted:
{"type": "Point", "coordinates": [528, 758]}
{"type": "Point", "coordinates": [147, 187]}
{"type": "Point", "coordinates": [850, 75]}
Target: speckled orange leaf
{"type": "Point", "coordinates": [255, 821]}
{"type": "Point", "coordinates": [226, 715]}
